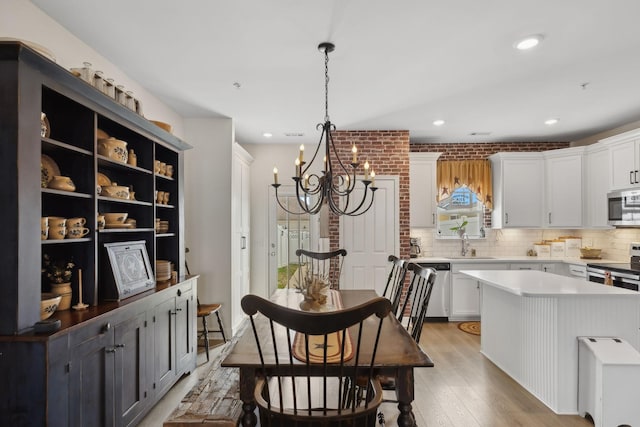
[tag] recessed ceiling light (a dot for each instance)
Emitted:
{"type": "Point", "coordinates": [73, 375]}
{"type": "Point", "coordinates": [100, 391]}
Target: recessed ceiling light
{"type": "Point", "coordinates": [529, 42]}
{"type": "Point", "coordinates": [550, 122]}
{"type": "Point", "coordinates": [267, 134]}
{"type": "Point", "coordinates": [438, 122]}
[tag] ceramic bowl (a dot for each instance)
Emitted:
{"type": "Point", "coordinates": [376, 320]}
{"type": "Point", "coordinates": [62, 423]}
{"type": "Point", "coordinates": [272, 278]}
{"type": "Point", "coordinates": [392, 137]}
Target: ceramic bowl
{"type": "Point", "coordinates": [48, 304]}
{"type": "Point", "coordinates": [63, 183]}
{"type": "Point", "coordinates": [114, 149]}
{"type": "Point", "coordinates": [116, 191]}
{"type": "Point", "coordinates": [115, 218]}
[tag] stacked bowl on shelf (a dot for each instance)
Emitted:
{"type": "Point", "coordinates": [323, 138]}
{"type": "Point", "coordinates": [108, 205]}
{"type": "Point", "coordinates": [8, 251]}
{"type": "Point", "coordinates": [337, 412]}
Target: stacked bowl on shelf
{"type": "Point", "coordinates": [163, 270]}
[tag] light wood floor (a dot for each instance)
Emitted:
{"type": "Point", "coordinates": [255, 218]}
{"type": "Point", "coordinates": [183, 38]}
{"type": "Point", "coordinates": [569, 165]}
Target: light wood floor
{"type": "Point", "coordinates": [464, 389]}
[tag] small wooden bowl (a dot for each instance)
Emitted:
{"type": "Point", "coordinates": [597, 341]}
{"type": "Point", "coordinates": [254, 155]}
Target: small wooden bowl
{"type": "Point", "coordinates": [163, 125]}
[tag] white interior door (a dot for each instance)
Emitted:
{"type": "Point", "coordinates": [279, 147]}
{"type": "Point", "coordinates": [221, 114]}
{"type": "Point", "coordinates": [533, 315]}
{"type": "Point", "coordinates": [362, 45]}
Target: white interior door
{"type": "Point", "coordinates": [370, 238]}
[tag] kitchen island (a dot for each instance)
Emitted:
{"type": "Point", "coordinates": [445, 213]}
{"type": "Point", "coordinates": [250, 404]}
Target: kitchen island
{"type": "Point", "coordinates": [531, 321]}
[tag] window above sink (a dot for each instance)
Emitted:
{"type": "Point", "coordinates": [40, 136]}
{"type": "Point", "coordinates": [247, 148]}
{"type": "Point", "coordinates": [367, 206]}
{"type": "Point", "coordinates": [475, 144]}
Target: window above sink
{"type": "Point", "coordinates": [461, 208]}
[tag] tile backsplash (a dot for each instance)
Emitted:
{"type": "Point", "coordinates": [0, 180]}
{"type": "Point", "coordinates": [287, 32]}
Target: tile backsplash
{"type": "Point", "coordinates": [516, 242]}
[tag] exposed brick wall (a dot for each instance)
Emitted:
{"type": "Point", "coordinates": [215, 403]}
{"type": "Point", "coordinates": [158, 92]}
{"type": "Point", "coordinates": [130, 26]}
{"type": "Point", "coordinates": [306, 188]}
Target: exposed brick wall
{"type": "Point", "coordinates": [482, 150]}
{"type": "Point", "coordinates": [388, 153]}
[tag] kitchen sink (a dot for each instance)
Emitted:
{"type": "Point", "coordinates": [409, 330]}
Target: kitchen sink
{"type": "Point", "coordinates": [470, 258]}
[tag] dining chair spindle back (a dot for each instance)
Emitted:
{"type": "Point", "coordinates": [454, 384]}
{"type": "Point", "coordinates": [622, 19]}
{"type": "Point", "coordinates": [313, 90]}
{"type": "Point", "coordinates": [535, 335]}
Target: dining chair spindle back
{"type": "Point", "coordinates": [326, 266]}
{"type": "Point", "coordinates": [414, 309]}
{"type": "Point", "coordinates": [395, 282]}
{"type": "Point", "coordinates": [317, 382]}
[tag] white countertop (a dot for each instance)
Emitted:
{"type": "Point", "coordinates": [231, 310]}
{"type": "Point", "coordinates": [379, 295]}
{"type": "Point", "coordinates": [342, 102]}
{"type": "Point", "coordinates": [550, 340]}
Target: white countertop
{"type": "Point", "coordinates": [531, 283]}
{"type": "Point", "coordinates": [490, 259]}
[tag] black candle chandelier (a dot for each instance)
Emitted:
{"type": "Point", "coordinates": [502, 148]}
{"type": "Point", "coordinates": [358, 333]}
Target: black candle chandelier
{"type": "Point", "coordinates": [335, 185]}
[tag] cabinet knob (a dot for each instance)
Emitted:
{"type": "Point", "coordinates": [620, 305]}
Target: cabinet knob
{"type": "Point", "coordinates": [110, 350]}
{"type": "Point", "coordinates": [106, 327]}
{"type": "Point", "coordinates": [178, 309]}
{"type": "Point", "coordinates": [179, 293]}
{"type": "Point", "coordinates": [119, 345]}
{"type": "Point", "coordinates": [506, 218]}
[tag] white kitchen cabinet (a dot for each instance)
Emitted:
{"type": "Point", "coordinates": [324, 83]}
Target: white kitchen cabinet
{"type": "Point", "coordinates": [549, 267]}
{"type": "Point", "coordinates": [240, 223]}
{"type": "Point", "coordinates": [422, 189]}
{"type": "Point", "coordinates": [465, 291]}
{"type": "Point", "coordinates": [525, 266]}
{"type": "Point", "coordinates": [597, 185]}
{"type": "Point", "coordinates": [563, 187]}
{"type": "Point", "coordinates": [624, 160]}
{"type": "Point", "coordinates": [518, 182]}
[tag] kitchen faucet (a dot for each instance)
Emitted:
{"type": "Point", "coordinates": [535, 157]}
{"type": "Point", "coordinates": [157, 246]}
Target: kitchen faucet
{"type": "Point", "coordinates": [464, 240]}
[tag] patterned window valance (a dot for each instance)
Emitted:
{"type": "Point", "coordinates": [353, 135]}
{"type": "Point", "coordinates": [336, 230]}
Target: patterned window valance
{"type": "Point", "coordinates": [475, 174]}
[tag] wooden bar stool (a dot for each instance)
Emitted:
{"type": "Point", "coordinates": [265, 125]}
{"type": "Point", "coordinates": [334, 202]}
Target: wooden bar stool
{"type": "Point", "coordinates": [204, 311]}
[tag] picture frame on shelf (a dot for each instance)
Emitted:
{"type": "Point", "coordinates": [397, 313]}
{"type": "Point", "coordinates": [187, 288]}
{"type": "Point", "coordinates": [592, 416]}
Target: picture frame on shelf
{"type": "Point", "coordinates": [132, 273]}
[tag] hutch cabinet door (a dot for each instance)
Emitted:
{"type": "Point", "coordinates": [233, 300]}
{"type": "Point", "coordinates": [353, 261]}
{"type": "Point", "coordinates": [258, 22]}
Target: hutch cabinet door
{"type": "Point", "coordinates": [130, 373]}
{"type": "Point", "coordinates": [164, 362]}
{"type": "Point", "coordinates": [91, 382]}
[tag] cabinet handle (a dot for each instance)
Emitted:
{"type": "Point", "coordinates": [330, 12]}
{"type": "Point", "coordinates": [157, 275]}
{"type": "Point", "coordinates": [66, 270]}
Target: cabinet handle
{"type": "Point", "coordinates": [433, 219]}
{"type": "Point", "coordinates": [630, 177]}
{"type": "Point", "coordinates": [110, 350]}
{"type": "Point", "coordinates": [635, 174]}
{"type": "Point", "coordinates": [173, 313]}
{"type": "Point", "coordinates": [178, 309]}
{"type": "Point", "coordinates": [506, 218]}
{"type": "Point", "coordinates": [243, 242]}
{"type": "Point", "coordinates": [119, 345]}
{"type": "Point", "coordinates": [549, 217]}
{"type": "Point", "coordinates": [179, 293]}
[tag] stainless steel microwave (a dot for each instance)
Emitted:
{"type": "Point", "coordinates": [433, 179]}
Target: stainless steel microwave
{"type": "Point", "coordinates": [624, 208]}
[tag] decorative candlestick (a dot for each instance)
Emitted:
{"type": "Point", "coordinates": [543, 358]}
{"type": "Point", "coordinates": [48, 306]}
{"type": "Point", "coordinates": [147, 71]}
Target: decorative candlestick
{"type": "Point", "coordinates": [80, 305]}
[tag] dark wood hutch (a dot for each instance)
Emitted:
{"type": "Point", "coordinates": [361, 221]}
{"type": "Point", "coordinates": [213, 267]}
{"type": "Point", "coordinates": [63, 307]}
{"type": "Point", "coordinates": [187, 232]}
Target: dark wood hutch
{"type": "Point", "coordinates": [109, 364]}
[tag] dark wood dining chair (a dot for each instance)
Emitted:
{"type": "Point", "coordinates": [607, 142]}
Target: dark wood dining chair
{"type": "Point", "coordinates": [314, 372]}
{"type": "Point", "coordinates": [395, 282]}
{"type": "Point", "coordinates": [414, 308]}
{"type": "Point", "coordinates": [324, 265]}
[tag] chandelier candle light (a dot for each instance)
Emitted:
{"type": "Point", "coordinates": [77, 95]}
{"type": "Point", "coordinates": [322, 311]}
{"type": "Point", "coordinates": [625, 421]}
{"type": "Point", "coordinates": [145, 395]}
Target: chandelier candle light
{"type": "Point", "coordinates": [334, 186]}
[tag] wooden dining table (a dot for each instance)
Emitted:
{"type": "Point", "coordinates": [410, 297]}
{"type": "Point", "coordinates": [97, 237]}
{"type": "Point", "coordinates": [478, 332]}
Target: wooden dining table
{"type": "Point", "coordinates": [396, 357]}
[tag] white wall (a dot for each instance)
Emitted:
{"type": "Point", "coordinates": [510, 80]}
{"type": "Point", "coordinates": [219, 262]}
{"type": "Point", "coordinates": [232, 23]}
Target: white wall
{"type": "Point", "coordinates": [207, 183]}
{"type": "Point", "coordinates": [23, 20]}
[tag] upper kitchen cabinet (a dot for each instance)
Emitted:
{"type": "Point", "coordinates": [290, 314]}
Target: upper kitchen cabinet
{"type": "Point", "coordinates": [563, 187]}
{"type": "Point", "coordinates": [422, 189]}
{"type": "Point", "coordinates": [596, 185]}
{"type": "Point", "coordinates": [518, 181]}
{"type": "Point", "coordinates": [624, 160]}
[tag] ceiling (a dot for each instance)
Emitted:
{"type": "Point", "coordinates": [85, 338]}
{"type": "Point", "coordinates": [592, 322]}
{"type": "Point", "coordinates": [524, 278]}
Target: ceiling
{"type": "Point", "coordinates": [397, 65]}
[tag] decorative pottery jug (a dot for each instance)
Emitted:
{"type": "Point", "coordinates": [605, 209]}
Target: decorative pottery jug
{"type": "Point", "coordinates": [63, 289]}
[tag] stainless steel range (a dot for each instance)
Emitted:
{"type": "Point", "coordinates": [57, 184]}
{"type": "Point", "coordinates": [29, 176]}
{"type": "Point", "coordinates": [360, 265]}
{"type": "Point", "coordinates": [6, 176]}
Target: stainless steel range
{"type": "Point", "coordinates": [623, 275]}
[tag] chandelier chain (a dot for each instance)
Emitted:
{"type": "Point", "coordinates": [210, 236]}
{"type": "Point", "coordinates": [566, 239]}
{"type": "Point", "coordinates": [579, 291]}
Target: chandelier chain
{"type": "Point", "coordinates": [326, 85]}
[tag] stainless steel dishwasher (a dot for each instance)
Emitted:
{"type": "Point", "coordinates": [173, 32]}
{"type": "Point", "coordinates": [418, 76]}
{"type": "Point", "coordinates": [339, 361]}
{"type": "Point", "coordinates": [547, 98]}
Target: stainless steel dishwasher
{"type": "Point", "coordinates": [438, 309]}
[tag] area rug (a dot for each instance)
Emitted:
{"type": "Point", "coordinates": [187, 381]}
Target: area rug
{"type": "Point", "coordinates": [470, 327]}
{"type": "Point", "coordinates": [215, 399]}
